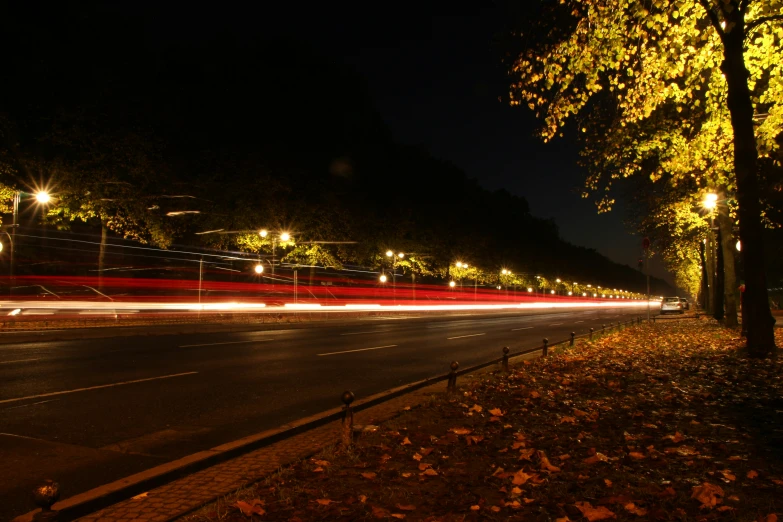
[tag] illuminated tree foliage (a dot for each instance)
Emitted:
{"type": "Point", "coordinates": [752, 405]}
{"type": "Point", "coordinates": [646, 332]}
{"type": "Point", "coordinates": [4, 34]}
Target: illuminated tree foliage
{"type": "Point", "coordinates": [691, 86]}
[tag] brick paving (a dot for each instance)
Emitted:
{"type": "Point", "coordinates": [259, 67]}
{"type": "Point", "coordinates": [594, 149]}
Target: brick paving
{"type": "Point", "coordinates": [189, 493]}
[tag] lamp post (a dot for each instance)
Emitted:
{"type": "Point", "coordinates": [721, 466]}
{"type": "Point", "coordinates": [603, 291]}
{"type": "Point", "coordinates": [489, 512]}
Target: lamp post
{"type": "Point", "coordinates": [394, 257]}
{"type": "Point", "coordinates": [41, 197]}
{"type": "Point", "coordinates": [709, 203]}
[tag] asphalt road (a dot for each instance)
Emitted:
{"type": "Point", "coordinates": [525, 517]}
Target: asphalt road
{"type": "Point", "coordinates": [89, 411]}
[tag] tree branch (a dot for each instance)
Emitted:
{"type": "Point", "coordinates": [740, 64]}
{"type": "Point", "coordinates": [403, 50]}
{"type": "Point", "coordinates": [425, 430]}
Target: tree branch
{"type": "Point", "coordinates": [713, 17]}
{"type": "Point", "coordinates": [763, 20]}
{"type": "Point", "coordinates": [743, 6]}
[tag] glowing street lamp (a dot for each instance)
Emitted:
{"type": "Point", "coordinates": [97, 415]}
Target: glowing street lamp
{"type": "Point", "coordinates": [551, 291]}
{"type": "Point", "coordinates": [263, 232]}
{"type": "Point", "coordinates": [529, 289]}
{"type": "Point", "coordinates": [285, 236]}
{"type": "Point", "coordinates": [710, 201]}
{"type": "Point", "coordinates": [383, 278]}
{"type": "Point", "coordinates": [739, 246]}
{"type": "Point", "coordinates": [259, 269]}
{"type": "Point", "coordinates": [452, 284]}
{"type": "Point", "coordinates": [42, 196]}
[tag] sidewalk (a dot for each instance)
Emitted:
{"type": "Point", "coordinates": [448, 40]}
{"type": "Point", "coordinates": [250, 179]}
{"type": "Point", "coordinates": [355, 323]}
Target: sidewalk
{"type": "Point", "coordinates": [657, 422]}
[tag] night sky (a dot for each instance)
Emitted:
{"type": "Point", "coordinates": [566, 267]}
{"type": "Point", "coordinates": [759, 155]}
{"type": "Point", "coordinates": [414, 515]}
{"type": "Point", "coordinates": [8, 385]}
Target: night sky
{"type": "Point", "coordinates": [434, 73]}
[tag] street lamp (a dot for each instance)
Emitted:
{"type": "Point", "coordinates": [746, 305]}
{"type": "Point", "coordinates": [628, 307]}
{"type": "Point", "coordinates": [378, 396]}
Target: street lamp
{"type": "Point", "coordinates": [710, 201]}
{"type": "Point", "coordinates": [383, 278]}
{"type": "Point", "coordinates": [259, 269]}
{"type": "Point", "coordinates": [452, 284]}
{"type": "Point", "coordinates": [42, 197]}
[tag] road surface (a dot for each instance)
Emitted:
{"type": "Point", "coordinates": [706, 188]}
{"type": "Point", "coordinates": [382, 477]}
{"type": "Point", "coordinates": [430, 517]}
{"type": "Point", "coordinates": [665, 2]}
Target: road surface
{"type": "Point", "coordinates": [89, 411]}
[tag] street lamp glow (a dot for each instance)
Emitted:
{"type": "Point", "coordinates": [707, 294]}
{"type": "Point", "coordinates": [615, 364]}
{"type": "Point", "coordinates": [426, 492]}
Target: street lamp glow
{"type": "Point", "coordinates": [285, 236]}
{"type": "Point", "coordinates": [452, 284]}
{"type": "Point", "coordinates": [584, 294]}
{"type": "Point", "coordinates": [710, 201]}
{"type": "Point", "coordinates": [570, 293]}
{"type": "Point", "coordinates": [551, 291]}
{"type": "Point", "coordinates": [739, 246]}
{"type": "Point", "coordinates": [1, 247]}
{"type": "Point", "coordinates": [259, 269]}
{"type": "Point", "coordinates": [401, 255]}
{"type": "Point", "coordinates": [263, 232]}
{"type": "Point", "coordinates": [389, 253]}
{"type": "Point", "coordinates": [458, 264]}
{"type": "Point", "coordinates": [504, 271]}
{"type": "Point", "coordinates": [529, 289]}
{"type": "Point", "coordinates": [595, 295]}
{"type": "Point", "coordinates": [382, 278]}
{"type": "Point", "coordinates": [42, 197]}
{"type": "Point", "coordinates": [557, 280]}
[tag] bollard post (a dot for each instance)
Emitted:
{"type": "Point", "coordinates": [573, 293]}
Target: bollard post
{"type": "Point", "coordinates": [44, 496]}
{"type": "Point", "coordinates": [603, 328]}
{"type": "Point", "coordinates": [347, 428]}
{"type": "Point", "coordinates": [572, 338]}
{"type": "Point", "coordinates": [505, 358]}
{"type": "Point", "coordinates": [653, 319]}
{"type": "Point", "coordinates": [544, 352]}
{"type": "Point", "coordinates": [451, 387]}
{"type": "Point", "coordinates": [591, 334]}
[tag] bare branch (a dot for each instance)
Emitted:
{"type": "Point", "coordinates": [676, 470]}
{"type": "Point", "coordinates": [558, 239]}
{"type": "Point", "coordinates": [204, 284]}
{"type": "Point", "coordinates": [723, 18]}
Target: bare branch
{"type": "Point", "coordinates": [763, 20]}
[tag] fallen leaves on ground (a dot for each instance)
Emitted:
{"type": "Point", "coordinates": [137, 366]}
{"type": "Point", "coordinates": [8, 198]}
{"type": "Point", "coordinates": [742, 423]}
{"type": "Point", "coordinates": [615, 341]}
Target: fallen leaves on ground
{"type": "Point", "coordinates": [657, 422]}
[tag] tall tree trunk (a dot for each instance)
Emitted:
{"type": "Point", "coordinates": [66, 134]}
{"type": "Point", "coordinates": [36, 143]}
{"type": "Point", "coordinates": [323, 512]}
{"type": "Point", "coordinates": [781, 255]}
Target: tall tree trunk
{"type": "Point", "coordinates": [717, 309]}
{"type": "Point", "coordinates": [102, 255]}
{"type": "Point", "coordinates": [729, 270]}
{"type": "Point", "coordinates": [760, 323]}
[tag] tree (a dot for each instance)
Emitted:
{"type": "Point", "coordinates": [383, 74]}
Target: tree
{"type": "Point", "coordinates": [633, 62]}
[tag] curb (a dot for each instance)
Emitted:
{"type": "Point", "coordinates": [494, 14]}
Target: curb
{"type": "Point", "coordinates": [106, 495]}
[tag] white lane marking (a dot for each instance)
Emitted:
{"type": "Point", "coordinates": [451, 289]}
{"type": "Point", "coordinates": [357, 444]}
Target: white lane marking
{"type": "Point", "coordinates": [463, 336]}
{"type": "Point", "coordinates": [555, 324]}
{"type": "Point", "coordinates": [19, 360]}
{"type": "Point", "coordinates": [359, 350]}
{"type": "Point", "coordinates": [31, 404]}
{"type": "Point", "coordinates": [227, 342]}
{"type": "Point", "coordinates": [523, 328]}
{"type": "Point", "coordinates": [52, 394]}
{"type": "Point", "coordinates": [359, 333]}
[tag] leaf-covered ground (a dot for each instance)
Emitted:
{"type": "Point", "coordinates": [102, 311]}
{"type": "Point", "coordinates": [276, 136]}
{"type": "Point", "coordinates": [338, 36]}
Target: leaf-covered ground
{"type": "Point", "coordinates": [662, 422]}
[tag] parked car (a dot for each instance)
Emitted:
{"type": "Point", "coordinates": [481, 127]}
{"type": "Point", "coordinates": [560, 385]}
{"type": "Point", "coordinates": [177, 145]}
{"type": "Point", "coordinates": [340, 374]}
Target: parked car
{"type": "Point", "coordinates": [686, 305]}
{"type": "Point", "coordinates": [672, 305]}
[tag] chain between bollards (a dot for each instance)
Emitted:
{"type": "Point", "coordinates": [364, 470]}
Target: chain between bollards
{"type": "Point", "coordinates": [451, 387]}
{"type": "Point", "coordinates": [544, 351]}
{"type": "Point", "coordinates": [505, 358]}
{"type": "Point", "coordinates": [347, 429]}
{"type": "Point", "coordinates": [44, 496]}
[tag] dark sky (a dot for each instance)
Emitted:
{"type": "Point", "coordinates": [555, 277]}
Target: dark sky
{"type": "Point", "coordinates": [434, 72]}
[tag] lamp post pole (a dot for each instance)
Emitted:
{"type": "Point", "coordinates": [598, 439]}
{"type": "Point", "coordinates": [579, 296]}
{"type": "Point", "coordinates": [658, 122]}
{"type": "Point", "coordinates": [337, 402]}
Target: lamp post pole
{"type": "Point", "coordinates": [12, 256]}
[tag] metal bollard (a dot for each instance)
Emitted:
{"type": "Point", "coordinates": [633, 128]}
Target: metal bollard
{"type": "Point", "coordinates": [347, 428]}
{"type": "Point", "coordinates": [572, 338]}
{"type": "Point", "coordinates": [451, 387]}
{"type": "Point", "coordinates": [591, 334]}
{"type": "Point", "coordinates": [44, 496]}
{"type": "Point", "coordinates": [505, 358]}
{"type": "Point", "coordinates": [544, 351]}
{"type": "Point", "coordinates": [603, 328]}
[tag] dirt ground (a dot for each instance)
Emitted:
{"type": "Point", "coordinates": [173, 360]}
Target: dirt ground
{"type": "Point", "coordinates": [657, 422]}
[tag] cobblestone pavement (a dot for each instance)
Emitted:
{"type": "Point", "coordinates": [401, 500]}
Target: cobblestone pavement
{"type": "Point", "coordinates": [188, 493]}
